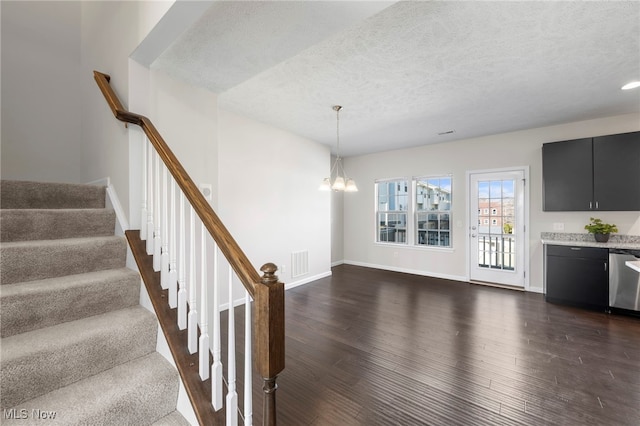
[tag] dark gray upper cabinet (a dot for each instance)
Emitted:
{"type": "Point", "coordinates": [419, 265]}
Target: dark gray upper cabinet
{"type": "Point", "coordinates": [567, 172]}
{"type": "Point", "coordinates": [601, 173]}
{"type": "Point", "coordinates": [616, 172]}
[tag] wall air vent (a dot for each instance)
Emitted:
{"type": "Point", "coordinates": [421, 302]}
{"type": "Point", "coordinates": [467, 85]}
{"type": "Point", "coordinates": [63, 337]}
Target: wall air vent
{"type": "Point", "coordinates": [299, 263]}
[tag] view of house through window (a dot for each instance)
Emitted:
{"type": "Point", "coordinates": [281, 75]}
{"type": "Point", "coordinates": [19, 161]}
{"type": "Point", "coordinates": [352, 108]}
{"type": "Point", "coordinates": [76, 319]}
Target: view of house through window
{"type": "Point", "coordinates": [431, 198]}
{"type": "Point", "coordinates": [392, 205]}
{"type": "Point", "coordinates": [433, 211]}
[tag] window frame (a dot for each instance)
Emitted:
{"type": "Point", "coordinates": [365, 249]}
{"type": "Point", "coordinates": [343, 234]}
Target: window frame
{"type": "Point", "coordinates": [439, 213]}
{"type": "Point", "coordinates": [411, 214]}
{"type": "Point", "coordinates": [404, 212]}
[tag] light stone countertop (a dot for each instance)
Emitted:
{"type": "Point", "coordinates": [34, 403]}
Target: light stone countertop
{"type": "Point", "coordinates": [634, 264]}
{"type": "Point", "coordinates": [629, 242]}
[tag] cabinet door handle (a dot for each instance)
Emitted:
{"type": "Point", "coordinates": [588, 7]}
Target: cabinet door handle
{"type": "Point", "coordinates": [605, 266]}
{"type": "Point", "coordinates": [590, 205]}
{"type": "Point", "coordinates": [596, 205]}
{"type": "Point", "coordinates": [576, 248]}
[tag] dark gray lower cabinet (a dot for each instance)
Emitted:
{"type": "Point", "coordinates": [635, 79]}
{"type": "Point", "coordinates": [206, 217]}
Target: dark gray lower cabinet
{"type": "Point", "coordinates": [577, 276]}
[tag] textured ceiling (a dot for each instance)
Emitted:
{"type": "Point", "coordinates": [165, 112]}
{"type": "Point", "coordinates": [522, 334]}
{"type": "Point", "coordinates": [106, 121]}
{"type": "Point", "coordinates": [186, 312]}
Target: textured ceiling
{"type": "Point", "coordinates": [407, 71]}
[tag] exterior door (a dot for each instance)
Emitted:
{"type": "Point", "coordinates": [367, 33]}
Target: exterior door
{"type": "Point", "coordinates": [497, 227]}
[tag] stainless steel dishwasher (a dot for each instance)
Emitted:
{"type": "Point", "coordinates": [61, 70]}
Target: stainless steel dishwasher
{"type": "Point", "coordinates": [624, 282]}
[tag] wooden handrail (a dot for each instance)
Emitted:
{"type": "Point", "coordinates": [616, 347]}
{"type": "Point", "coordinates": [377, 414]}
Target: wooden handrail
{"type": "Point", "coordinates": [267, 291]}
{"type": "Point", "coordinates": [228, 246]}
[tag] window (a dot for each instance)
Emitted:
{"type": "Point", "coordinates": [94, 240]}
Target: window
{"type": "Point", "coordinates": [392, 200]}
{"type": "Point", "coordinates": [433, 211]}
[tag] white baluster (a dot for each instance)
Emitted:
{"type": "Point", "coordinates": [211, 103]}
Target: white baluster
{"type": "Point", "coordinates": [182, 285]}
{"type": "Point", "coordinates": [143, 195]}
{"type": "Point", "coordinates": [232, 396]}
{"type": "Point", "coordinates": [164, 258]}
{"type": "Point", "coordinates": [150, 200]}
{"type": "Point", "coordinates": [203, 346]}
{"type": "Point", "coordinates": [216, 367]}
{"type": "Point", "coordinates": [173, 269]}
{"type": "Point", "coordinates": [192, 318]}
{"type": "Point", "coordinates": [157, 249]}
{"type": "Point", "coordinates": [248, 397]}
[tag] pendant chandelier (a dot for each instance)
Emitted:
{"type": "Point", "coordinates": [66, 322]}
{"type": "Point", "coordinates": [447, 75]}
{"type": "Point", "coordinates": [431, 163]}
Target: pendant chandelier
{"type": "Point", "coordinates": [341, 182]}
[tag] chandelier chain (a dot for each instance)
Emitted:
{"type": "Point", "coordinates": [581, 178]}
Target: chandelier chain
{"type": "Point", "coordinates": [337, 109]}
{"type": "Point", "coordinates": [338, 131]}
{"type": "Point", "coordinates": [342, 182]}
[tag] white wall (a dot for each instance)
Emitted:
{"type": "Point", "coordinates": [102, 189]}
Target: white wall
{"type": "Point", "coordinates": [41, 102]}
{"type": "Point", "coordinates": [497, 151]}
{"type": "Point", "coordinates": [337, 223]}
{"type": "Point", "coordinates": [111, 30]}
{"type": "Point", "coordinates": [187, 118]}
{"type": "Point", "coordinates": [268, 195]}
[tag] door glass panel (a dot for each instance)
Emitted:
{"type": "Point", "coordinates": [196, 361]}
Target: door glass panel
{"type": "Point", "coordinates": [496, 224]}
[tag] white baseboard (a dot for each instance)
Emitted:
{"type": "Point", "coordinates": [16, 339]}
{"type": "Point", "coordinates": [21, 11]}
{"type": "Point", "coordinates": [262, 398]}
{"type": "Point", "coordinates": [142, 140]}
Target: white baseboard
{"type": "Point", "coordinates": [338, 263]}
{"type": "Point", "coordinates": [307, 280]}
{"type": "Point", "coordinates": [539, 290]}
{"type": "Point", "coordinates": [425, 273]}
{"type": "Point", "coordinates": [112, 201]}
{"type": "Point", "coordinates": [241, 301]}
{"type": "Point", "coordinates": [117, 207]}
{"type": "Point", "coordinates": [236, 302]}
{"type": "Point", "coordinates": [408, 271]}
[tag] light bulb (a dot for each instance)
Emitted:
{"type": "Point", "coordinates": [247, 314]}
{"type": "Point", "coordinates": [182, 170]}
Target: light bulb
{"type": "Point", "coordinates": [338, 185]}
{"type": "Point", "coordinates": [631, 85]}
{"type": "Point", "coordinates": [325, 185]}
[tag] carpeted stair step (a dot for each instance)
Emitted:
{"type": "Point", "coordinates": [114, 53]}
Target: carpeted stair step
{"type": "Point", "coordinates": [53, 224]}
{"type": "Point", "coordinates": [173, 419]}
{"type": "Point", "coordinates": [139, 392]}
{"type": "Point", "coordinates": [35, 260]}
{"type": "Point", "coordinates": [43, 360]}
{"type": "Point", "coordinates": [44, 195]}
{"type": "Point", "coordinates": [37, 304]}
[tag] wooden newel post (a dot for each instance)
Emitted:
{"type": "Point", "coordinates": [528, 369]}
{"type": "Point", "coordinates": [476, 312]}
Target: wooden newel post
{"type": "Point", "coordinates": [269, 337]}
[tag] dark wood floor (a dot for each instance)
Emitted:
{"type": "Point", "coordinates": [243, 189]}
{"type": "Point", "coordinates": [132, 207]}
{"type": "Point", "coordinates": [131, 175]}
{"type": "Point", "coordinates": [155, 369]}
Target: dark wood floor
{"type": "Point", "coordinates": [371, 347]}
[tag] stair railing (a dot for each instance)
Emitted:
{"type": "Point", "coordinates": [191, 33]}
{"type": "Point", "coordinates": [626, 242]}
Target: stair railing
{"type": "Point", "coordinates": [172, 211]}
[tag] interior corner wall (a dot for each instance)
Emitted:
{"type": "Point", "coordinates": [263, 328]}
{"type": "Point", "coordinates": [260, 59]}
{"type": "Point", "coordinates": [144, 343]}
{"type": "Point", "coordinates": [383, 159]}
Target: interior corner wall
{"type": "Point", "coordinates": [187, 118]}
{"type": "Point", "coordinates": [269, 198]}
{"type": "Point", "coordinates": [41, 102]}
{"type": "Point", "coordinates": [523, 148]}
{"type": "Point", "coordinates": [337, 224]}
{"type": "Point", "coordinates": [110, 32]}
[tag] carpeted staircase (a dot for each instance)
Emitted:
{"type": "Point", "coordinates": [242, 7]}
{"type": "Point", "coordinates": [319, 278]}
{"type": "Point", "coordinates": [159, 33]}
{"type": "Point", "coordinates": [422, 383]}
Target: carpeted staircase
{"type": "Point", "coordinates": [76, 346]}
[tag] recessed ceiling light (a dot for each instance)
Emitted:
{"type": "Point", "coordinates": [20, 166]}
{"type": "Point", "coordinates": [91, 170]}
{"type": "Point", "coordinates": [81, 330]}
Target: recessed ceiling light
{"type": "Point", "coordinates": [631, 85]}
